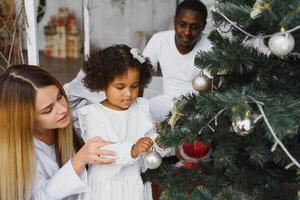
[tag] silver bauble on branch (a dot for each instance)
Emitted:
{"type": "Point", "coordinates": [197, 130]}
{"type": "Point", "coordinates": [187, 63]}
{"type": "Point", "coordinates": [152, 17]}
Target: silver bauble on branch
{"type": "Point", "coordinates": [281, 44]}
{"type": "Point", "coordinates": [242, 126]}
{"type": "Point", "coordinates": [202, 83]}
{"type": "Point", "coordinates": [152, 160]}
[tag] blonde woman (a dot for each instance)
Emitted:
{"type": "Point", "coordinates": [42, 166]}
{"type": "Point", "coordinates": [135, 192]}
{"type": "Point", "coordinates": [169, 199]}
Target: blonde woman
{"type": "Point", "coordinates": [37, 144]}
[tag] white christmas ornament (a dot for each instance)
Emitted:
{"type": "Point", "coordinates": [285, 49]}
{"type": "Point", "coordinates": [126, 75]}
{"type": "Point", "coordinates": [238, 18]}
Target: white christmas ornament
{"type": "Point", "coordinates": [152, 160]}
{"type": "Point", "coordinates": [281, 44]}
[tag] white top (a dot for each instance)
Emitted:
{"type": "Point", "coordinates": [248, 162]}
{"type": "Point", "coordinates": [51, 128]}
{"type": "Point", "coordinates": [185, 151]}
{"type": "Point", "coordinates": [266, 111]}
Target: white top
{"type": "Point", "coordinates": [52, 182]}
{"type": "Point", "coordinates": [120, 180]}
{"type": "Point", "coordinates": [178, 70]}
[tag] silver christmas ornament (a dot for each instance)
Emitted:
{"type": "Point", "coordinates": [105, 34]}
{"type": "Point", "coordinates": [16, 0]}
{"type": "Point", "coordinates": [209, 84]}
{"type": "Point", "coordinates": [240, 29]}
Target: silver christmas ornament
{"type": "Point", "coordinates": [242, 126]}
{"type": "Point", "coordinates": [152, 160]}
{"type": "Point", "coordinates": [281, 44]}
{"type": "Point", "coordinates": [201, 82]}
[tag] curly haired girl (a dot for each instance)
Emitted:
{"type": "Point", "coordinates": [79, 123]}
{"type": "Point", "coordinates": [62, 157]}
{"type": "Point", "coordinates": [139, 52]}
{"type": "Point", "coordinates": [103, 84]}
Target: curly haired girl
{"type": "Point", "coordinates": [123, 117]}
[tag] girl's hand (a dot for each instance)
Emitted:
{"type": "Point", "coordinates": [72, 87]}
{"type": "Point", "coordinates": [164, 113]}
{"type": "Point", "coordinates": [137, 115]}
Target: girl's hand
{"type": "Point", "coordinates": [141, 146]}
{"type": "Point", "coordinates": [91, 153]}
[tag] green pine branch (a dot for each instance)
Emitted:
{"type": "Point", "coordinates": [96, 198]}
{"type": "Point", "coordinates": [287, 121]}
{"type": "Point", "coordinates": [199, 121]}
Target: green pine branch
{"type": "Point", "coordinates": [276, 13]}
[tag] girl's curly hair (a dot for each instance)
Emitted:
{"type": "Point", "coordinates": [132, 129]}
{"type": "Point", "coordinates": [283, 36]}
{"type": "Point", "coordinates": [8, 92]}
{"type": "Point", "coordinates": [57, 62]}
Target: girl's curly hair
{"type": "Point", "coordinates": [104, 65]}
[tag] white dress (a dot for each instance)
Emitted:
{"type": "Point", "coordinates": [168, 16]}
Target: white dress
{"type": "Point", "coordinates": [178, 70]}
{"type": "Point", "coordinates": [52, 182]}
{"type": "Point", "coordinates": [121, 180]}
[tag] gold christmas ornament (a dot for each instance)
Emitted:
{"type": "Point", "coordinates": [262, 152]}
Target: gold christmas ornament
{"type": "Point", "coordinates": [202, 83]}
{"type": "Point", "coordinates": [257, 9]}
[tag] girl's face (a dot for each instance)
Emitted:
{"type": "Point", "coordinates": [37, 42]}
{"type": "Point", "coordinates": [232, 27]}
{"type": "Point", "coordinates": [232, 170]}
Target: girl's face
{"type": "Point", "coordinates": [51, 110]}
{"type": "Point", "coordinates": [123, 90]}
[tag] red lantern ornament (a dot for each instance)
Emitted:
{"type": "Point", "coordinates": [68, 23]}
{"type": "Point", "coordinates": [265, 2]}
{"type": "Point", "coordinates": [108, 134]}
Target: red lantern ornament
{"type": "Point", "coordinates": [197, 150]}
{"type": "Point", "coordinates": [190, 154]}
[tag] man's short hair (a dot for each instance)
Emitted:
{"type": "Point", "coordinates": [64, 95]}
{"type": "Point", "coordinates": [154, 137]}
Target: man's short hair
{"type": "Point", "coordinates": [194, 5]}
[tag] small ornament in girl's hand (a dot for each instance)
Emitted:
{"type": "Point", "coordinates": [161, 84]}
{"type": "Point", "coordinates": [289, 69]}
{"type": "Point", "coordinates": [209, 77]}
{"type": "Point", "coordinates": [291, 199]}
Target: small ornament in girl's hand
{"type": "Point", "coordinates": [152, 160]}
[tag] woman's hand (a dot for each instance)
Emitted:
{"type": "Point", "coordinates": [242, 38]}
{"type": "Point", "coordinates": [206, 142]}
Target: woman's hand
{"type": "Point", "coordinates": [141, 146]}
{"type": "Point", "coordinates": [91, 153]}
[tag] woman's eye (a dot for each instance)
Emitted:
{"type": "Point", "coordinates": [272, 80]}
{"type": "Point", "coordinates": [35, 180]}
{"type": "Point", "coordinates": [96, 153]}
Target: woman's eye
{"type": "Point", "coordinates": [120, 87]}
{"type": "Point", "coordinates": [48, 110]}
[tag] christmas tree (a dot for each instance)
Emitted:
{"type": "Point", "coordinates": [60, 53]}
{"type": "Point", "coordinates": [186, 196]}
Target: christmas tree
{"type": "Point", "coordinates": [239, 137]}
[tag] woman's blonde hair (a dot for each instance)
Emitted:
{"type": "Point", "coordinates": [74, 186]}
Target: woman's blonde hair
{"type": "Point", "coordinates": [18, 88]}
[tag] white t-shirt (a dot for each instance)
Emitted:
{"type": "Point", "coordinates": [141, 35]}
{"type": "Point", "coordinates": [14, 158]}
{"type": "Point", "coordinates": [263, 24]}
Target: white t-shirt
{"type": "Point", "coordinates": [52, 182]}
{"type": "Point", "coordinates": [120, 180]}
{"type": "Point", "coordinates": [178, 70]}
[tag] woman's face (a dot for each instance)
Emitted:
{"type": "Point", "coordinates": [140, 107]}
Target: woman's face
{"type": "Point", "coordinates": [51, 109]}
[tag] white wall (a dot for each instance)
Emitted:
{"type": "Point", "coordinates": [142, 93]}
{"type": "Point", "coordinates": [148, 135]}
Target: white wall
{"type": "Point", "coordinates": [108, 25]}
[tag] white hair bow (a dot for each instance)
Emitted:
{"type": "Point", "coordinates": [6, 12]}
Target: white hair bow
{"type": "Point", "coordinates": [137, 55]}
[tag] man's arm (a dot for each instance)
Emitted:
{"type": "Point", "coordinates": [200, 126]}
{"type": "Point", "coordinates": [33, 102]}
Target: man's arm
{"type": "Point", "coordinates": [152, 50]}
